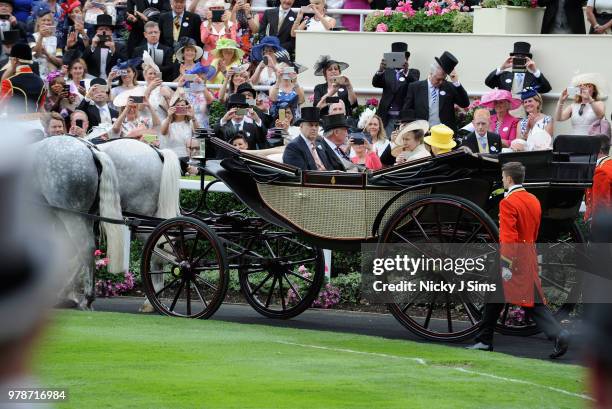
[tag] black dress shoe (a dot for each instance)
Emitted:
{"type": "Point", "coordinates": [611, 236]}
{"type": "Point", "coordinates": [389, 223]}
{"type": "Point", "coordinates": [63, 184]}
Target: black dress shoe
{"type": "Point", "coordinates": [481, 346]}
{"type": "Point", "coordinates": [561, 344]}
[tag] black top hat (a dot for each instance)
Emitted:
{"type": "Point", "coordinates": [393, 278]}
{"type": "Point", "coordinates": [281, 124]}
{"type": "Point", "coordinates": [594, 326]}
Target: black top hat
{"type": "Point", "coordinates": [246, 87]}
{"type": "Point", "coordinates": [104, 20]}
{"type": "Point", "coordinates": [11, 37]}
{"type": "Point", "coordinates": [22, 52]}
{"type": "Point", "coordinates": [399, 47]}
{"type": "Point", "coordinates": [11, 2]}
{"type": "Point", "coordinates": [237, 101]}
{"type": "Point", "coordinates": [97, 81]}
{"type": "Point", "coordinates": [522, 48]}
{"type": "Point", "coordinates": [309, 114]}
{"type": "Point", "coordinates": [447, 62]}
{"type": "Point", "coordinates": [334, 121]}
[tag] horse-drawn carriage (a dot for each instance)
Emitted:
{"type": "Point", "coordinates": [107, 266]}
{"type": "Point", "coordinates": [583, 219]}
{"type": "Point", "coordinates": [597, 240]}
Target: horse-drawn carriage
{"type": "Point", "coordinates": [275, 243]}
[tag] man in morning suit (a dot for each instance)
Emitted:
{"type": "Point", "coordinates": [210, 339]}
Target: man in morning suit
{"type": "Point", "coordinates": [434, 99]}
{"type": "Point", "coordinates": [241, 117]}
{"type": "Point", "coordinates": [394, 82]}
{"type": "Point", "coordinates": [521, 76]}
{"type": "Point", "coordinates": [277, 22]}
{"type": "Point", "coordinates": [519, 221]}
{"type": "Point", "coordinates": [161, 54]}
{"type": "Point", "coordinates": [599, 197]}
{"type": "Point", "coordinates": [96, 104]}
{"type": "Point", "coordinates": [307, 151]}
{"type": "Point", "coordinates": [101, 56]}
{"type": "Point", "coordinates": [481, 140]}
{"type": "Point", "coordinates": [179, 23]}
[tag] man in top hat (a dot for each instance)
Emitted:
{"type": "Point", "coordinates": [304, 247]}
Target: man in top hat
{"type": "Point", "coordinates": [278, 22]}
{"type": "Point", "coordinates": [335, 135]}
{"type": "Point", "coordinates": [22, 91]}
{"type": "Point", "coordinates": [394, 82]}
{"type": "Point", "coordinates": [96, 104]}
{"type": "Point", "coordinates": [161, 54]}
{"type": "Point", "coordinates": [6, 9]}
{"type": "Point", "coordinates": [307, 151]}
{"type": "Point", "coordinates": [103, 53]}
{"type": "Point", "coordinates": [434, 99]}
{"type": "Point", "coordinates": [598, 198]}
{"type": "Point", "coordinates": [251, 96]}
{"type": "Point", "coordinates": [481, 140]}
{"type": "Point", "coordinates": [524, 72]}
{"type": "Point", "coordinates": [9, 39]}
{"type": "Point", "coordinates": [519, 222]}
{"type": "Point", "coordinates": [179, 23]}
{"type": "Point", "coordinates": [241, 117]}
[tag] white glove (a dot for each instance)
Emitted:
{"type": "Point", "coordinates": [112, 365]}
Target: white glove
{"type": "Point", "coordinates": [506, 274]}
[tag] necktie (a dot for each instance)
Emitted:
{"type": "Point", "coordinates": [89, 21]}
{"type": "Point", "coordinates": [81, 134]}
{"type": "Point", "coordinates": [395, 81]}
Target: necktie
{"type": "Point", "coordinates": [316, 157]}
{"type": "Point", "coordinates": [281, 18]}
{"type": "Point", "coordinates": [341, 153]}
{"type": "Point", "coordinates": [177, 27]}
{"type": "Point", "coordinates": [434, 96]}
{"type": "Point", "coordinates": [483, 144]}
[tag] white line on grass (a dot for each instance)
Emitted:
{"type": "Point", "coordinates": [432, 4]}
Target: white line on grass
{"type": "Point", "coordinates": [421, 361]}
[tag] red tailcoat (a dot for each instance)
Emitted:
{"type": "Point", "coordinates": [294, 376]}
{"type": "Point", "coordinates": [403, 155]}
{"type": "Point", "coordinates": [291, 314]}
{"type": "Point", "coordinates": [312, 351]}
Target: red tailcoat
{"type": "Point", "coordinates": [599, 197]}
{"type": "Point", "coordinates": [519, 222]}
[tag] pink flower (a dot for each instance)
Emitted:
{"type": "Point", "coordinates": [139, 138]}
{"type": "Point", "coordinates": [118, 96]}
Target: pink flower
{"type": "Point", "coordinates": [311, 98]}
{"type": "Point", "coordinates": [302, 269]}
{"type": "Point", "coordinates": [444, 11]}
{"type": "Point", "coordinates": [376, 13]}
{"type": "Point", "coordinates": [430, 12]}
{"type": "Point", "coordinates": [454, 7]}
{"type": "Point", "coordinates": [382, 28]}
{"type": "Point", "coordinates": [387, 11]}
{"type": "Point", "coordinates": [98, 253]}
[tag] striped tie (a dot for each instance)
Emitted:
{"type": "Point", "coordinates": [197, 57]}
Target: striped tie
{"type": "Point", "coordinates": [434, 96]}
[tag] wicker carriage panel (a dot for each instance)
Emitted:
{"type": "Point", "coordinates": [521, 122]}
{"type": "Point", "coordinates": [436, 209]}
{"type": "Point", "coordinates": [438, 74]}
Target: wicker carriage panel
{"type": "Point", "coordinates": [332, 213]}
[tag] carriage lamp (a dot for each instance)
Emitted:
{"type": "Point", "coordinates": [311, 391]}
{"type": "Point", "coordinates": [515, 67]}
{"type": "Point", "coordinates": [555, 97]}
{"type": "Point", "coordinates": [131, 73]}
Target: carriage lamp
{"type": "Point", "coordinates": [202, 135]}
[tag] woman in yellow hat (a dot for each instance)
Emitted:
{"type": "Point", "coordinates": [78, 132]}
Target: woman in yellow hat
{"type": "Point", "coordinates": [441, 139]}
{"type": "Point", "coordinates": [227, 55]}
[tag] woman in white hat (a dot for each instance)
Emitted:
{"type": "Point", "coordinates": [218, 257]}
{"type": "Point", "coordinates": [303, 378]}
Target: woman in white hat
{"type": "Point", "coordinates": [188, 54]}
{"type": "Point", "coordinates": [587, 107]}
{"type": "Point", "coordinates": [409, 143]}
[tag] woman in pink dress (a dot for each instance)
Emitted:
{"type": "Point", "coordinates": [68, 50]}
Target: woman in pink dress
{"type": "Point", "coordinates": [352, 22]}
{"type": "Point", "coordinates": [502, 122]}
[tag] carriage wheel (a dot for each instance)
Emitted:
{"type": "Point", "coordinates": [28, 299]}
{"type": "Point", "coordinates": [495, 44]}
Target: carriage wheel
{"type": "Point", "coordinates": [561, 281]}
{"type": "Point", "coordinates": [280, 276]}
{"type": "Point", "coordinates": [184, 269]}
{"type": "Point", "coordinates": [440, 316]}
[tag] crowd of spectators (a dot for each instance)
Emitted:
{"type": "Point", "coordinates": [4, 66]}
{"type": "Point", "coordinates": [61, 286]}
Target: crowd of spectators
{"type": "Point", "coordinates": [101, 68]}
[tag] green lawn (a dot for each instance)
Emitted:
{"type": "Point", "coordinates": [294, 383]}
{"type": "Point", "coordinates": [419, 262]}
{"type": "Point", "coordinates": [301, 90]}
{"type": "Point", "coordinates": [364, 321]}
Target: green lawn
{"type": "Point", "coordinates": [111, 360]}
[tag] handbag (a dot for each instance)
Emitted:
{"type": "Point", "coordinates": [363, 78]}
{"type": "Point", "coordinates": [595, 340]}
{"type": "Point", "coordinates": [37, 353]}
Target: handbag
{"type": "Point", "coordinates": [601, 18]}
{"type": "Point", "coordinates": [600, 127]}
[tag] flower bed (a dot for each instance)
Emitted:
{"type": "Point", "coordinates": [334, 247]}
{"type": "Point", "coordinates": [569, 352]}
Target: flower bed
{"type": "Point", "coordinates": [433, 18]}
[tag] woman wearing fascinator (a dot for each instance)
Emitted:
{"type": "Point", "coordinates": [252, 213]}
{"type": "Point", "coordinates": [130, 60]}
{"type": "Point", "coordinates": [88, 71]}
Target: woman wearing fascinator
{"type": "Point", "coordinates": [127, 73]}
{"type": "Point", "coordinates": [335, 85]}
{"type": "Point", "coordinates": [527, 137]}
{"type": "Point", "coordinates": [372, 126]}
{"type": "Point", "coordinates": [196, 93]}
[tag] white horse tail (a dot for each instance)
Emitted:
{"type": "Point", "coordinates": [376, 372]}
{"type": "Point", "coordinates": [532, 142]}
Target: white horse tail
{"type": "Point", "coordinates": [169, 189]}
{"type": "Point", "coordinates": [110, 206]}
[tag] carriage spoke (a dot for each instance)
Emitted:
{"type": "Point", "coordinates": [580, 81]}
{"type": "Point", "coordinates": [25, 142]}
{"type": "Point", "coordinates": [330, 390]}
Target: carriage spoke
{"type": "Point", "coordinates": [280, 292]}
{"type": "Point", "coordinates": [505, 314]}
{"type": "Point", "coordinates": [161, 255]}
{"type": "Point", "coordinates": [188, 295]}
{"type": "Point", "coordinates": [206, 253]}
{"type": "Point", "coordinates": [195, 285]}
{"type": "Point", "coordinates": [271, 292]}
{"type": "Point", "coordinates": [159, 272]}
{"type": "Point", "coordinates": [297, 294]}
{"type": "Point", "coordinates": [270, 249]}
{"type": "Point", "coordinates": [295, 263]}
{"type": "Point", "coordinates": [261, 284]}
{"type": "Point", "coordinates": [448, 313]}
{"type": "Point", "coordinates": [439, 223]}
{"type": "Point", "coordinates": [206, 283]}
{"type": "Point", "coordinates": [429, 311]}
{"type": "Point", "coordinates": [166, 287]}
{"type": "Point", "coordinates": [193, 247]}
{"type": "Point", "coordinates": [176, 296]}
{"type": "Point", "coordinates": [419, 225]}
{"type": "Point", "coordinates": [459, 217]}
{"type": "Point", "coordinates": [300, 277]}
{"type": "Point", "coordinates": [411, 303]}
{"type": "Point", "coordinates": [176, 252]}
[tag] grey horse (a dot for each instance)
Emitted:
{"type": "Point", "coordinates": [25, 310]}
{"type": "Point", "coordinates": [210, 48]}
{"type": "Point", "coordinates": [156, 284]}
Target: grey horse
{"type": "Point", "coordinates": [148, 186]}
{"type": "Point", "coordinates": [65, 176]}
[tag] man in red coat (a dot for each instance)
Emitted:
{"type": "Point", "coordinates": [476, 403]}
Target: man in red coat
{"type": "Point", "coordinates": [599, 197]}
{"type": "Point", "coordinates": [519, 222]}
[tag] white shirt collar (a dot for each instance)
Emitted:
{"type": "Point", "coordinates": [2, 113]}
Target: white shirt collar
{"type": "Point", "coordinates": [600, 160]}
{"type": "Point", "coordinates": [480, 136]}
{"type": "Point", "coordinates": [514, 187]}
{"type": "Point", "coordinates": [308, 141]}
